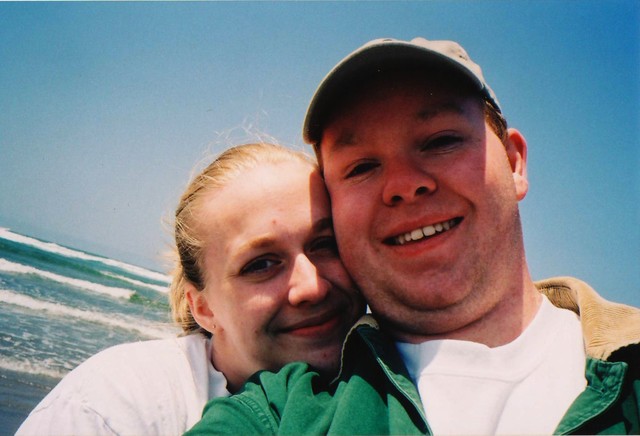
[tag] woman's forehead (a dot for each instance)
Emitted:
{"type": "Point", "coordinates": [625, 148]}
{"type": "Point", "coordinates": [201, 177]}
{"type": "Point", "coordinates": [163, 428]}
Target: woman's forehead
{"type": "Point", "coordinates": [265, 195]}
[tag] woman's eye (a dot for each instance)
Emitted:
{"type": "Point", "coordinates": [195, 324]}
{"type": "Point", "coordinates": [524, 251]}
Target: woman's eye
{"type": "Point", "coordinates": [325, 245]}
{"type": "Point", "coordinates": [442, 143]}
{"type": "Point", "coordinates": [259, 266]}
{"type": "Point", "coordinates": [361, 168]}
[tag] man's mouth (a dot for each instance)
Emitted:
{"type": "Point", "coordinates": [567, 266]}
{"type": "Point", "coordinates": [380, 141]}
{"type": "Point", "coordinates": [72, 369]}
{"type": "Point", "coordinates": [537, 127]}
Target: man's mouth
{"type": "Point", "coordinates": [424, 232]}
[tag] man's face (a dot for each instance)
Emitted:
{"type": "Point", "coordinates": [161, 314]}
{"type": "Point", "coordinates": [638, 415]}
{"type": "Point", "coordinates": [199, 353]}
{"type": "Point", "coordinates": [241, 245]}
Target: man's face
{"type": "Point", "coordinates": [424, 201]}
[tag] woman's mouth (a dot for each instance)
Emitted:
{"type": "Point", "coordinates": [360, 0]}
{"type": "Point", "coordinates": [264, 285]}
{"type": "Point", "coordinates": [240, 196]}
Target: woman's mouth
{"type": "Point", "coordinates": [317, 326]}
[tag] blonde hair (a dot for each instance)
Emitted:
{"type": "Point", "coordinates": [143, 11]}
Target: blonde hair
{"type": "Point", "coordinates": [188, 245]}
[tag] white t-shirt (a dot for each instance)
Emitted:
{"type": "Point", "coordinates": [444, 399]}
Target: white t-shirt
{"type": "Point", "coordinates": [524, 387]}
{"type": "Point", "coordinates": [154, 387]}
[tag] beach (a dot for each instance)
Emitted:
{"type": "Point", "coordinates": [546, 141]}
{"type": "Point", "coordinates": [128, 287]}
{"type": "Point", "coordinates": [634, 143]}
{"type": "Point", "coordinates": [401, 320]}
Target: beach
{"type": "Point", "coordinates": [20, 392]}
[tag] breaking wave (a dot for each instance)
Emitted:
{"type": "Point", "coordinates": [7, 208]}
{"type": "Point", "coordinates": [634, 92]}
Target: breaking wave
{"type": "Point", "coordinates": [18, 268]}
{"type": "Point", "coordinates": [64, 251]}
{"type": "Point", "coordinates": [153, 331]}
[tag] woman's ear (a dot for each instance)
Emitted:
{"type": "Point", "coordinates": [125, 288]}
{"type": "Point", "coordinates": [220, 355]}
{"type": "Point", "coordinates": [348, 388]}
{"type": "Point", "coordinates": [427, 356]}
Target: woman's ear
{"type": "Point", "coordinates": [516, 147]}
{"type": "Point", "coordinates": [200, 308]}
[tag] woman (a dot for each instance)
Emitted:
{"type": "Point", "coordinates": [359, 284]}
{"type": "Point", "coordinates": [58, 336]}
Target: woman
{"type": "Point", "coordinates": [258, 284]}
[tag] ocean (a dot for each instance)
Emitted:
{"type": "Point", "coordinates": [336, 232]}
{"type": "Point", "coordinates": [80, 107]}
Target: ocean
{"type": "Point", "coordinates": [58, 306]}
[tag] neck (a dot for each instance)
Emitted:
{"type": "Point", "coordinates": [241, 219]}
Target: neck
{"type": "Point", "coordinates": [498, 324]}
{"type": "Point", "coordinates": [230, 372]}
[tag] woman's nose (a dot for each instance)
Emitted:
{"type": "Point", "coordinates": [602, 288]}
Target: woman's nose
{"type": "Point", "coordinates": [305, 284]}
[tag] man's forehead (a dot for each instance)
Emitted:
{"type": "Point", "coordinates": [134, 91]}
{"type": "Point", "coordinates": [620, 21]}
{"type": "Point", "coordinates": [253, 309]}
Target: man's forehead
{"type": "Point", "coordinates": [443, 93]}
{"type": "Point", "coordinates": [341, 132]}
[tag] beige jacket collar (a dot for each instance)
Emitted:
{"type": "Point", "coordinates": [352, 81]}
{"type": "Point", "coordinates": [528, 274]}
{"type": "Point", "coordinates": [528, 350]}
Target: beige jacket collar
{"type": "Point", "coordinates": [606, 326]}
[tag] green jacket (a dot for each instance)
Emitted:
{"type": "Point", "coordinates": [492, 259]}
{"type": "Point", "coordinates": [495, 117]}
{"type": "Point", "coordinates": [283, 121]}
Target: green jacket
{"type": "Point", "coordinates": [373, 394]}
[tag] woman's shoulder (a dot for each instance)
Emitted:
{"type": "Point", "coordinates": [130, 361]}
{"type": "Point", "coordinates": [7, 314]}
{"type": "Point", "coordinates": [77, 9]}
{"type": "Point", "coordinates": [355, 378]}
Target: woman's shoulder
{"type": "Point", "coordinates": [128, 387]}
{"type": "Point", "coordinates": [194, 344]}
{"type": "Point", "coordinates": [121, 354]}
{"type": "Point", "coordinates": [144, 359]}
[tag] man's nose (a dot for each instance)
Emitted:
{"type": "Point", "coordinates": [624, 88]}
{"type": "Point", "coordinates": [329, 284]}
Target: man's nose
{"type": "Point", "coordinates": [305, 284]}
{"type": "Point", "coordinates": [405, 181]}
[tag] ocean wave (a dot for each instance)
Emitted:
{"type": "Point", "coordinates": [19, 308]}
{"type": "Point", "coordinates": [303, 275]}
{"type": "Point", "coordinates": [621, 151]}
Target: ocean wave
{"type": "Point", "coordinates": [68, 252]}
{"type": "Point", "coordinates": [18, 268]}
{"type": "Point", "coordinates": [162, 289]}
{"type": "Point", "coordinates": [153, 331]}
{"type": "Point", "coordinates": [30, 367]}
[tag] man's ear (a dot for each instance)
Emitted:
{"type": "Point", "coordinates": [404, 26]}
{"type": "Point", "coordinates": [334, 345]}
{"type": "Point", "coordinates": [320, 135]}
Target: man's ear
{"type": "Point", "coordinates": [200, 308]}
{"type": "Point", "coordinates": [516, 147]}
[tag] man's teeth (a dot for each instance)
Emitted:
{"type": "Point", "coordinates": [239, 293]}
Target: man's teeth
{"type": "Point", "coordinates": [418, 234]}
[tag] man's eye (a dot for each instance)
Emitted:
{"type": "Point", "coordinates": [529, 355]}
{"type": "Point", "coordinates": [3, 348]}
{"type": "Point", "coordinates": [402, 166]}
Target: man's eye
{"type": "Point", "coordinates": [442, 143]}
{"type": "Point", "coordinates": [259, 266]}
{"type": "Point", "coordinates": [361, 168]}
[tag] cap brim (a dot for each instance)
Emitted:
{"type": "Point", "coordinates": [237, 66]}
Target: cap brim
{"type": "Point", "coordinates": [365, 62]}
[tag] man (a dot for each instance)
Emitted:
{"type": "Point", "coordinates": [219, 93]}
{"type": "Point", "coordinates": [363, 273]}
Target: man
{"type": "Point", "coordinates": [425, 180]}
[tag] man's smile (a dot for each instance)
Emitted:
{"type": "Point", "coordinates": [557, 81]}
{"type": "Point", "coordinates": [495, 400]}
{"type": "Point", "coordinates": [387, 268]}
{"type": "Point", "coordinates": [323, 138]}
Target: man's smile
{"type": "Point", "coordinates": [424, 232]}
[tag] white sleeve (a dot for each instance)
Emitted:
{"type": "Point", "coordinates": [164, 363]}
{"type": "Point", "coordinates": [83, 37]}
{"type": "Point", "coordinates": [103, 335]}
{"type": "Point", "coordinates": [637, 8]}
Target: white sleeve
{"type": "Point", "coordinates": [149, 387]}
{"type": "Point", "coordinates": [68, 408]}
{"type": "Point", "coordinates": [64, 414]}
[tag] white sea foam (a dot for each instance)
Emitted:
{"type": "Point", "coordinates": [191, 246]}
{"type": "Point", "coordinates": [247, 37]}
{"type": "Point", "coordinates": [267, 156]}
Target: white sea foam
{"type": "Point", "coordinates": [163, 289]}
{"type": "Point", "coordinates": [154, 331]}
{"type": "Point", "coordinates": [36, 367]}
{"type": "Point", "coordinates": [55, 248]}
{"type": "Point", "coordinates": [139, 271]}
{"type": "Point", "coordinates": [18, 268]}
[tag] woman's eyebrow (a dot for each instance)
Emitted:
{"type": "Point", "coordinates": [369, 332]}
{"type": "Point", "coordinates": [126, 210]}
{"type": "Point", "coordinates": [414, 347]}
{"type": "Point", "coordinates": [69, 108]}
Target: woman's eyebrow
{"type": "Point", "coordinates": [259, 242]}
{"type": "Point", "coordinates": [323, 224]}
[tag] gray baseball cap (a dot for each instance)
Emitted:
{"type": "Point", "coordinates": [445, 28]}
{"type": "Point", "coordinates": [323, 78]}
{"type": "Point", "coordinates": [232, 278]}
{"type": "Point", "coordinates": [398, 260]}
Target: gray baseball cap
{"type": "Point", "coordinates": [379, 53]}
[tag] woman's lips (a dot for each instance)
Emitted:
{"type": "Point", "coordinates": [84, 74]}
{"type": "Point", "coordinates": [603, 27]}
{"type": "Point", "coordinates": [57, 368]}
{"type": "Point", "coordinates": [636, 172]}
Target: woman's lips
{"type": "Point", "coordinates": [316, 326]}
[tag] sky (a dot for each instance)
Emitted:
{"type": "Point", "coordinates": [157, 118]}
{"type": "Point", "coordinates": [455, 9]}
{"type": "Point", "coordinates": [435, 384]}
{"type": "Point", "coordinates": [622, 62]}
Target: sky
{"type": "Point", "coordinates": [106, 108]}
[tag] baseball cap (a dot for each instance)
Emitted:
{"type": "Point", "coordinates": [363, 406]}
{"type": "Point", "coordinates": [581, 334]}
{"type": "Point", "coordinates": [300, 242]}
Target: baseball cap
{"type": "Point", "coordinates": [378, 54]}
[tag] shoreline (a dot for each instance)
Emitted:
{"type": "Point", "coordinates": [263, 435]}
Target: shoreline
{"type": "Point", "coordinates": [20, 392]}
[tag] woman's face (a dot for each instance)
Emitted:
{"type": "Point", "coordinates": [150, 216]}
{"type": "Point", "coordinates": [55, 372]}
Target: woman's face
{"type": "Point", "coordinates": [275, 288]}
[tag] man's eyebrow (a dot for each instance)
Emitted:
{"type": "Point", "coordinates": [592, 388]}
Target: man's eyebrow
{"type": "Point", "coordinates": [344, 140]}
{"type": "Point", "coordinates": [347, 138]}
{"type": "Point", "coordinates": [443, 109]}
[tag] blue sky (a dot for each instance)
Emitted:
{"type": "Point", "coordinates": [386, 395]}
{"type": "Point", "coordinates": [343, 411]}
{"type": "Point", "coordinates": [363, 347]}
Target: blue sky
{"type": "Point", "coordinates": [105, 109]}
